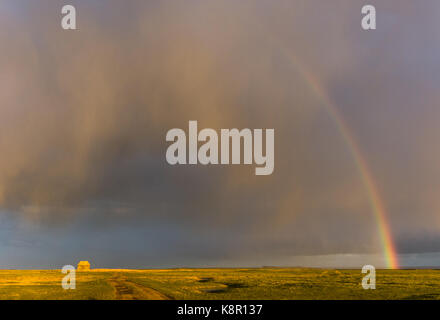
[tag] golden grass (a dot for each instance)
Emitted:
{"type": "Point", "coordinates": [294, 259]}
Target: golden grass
{"type": "Point", "coordinates": [258, 283]}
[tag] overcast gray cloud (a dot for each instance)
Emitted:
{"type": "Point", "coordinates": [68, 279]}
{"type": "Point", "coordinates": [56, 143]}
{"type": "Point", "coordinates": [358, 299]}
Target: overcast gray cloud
{"type": "Point", "coordinates": [84, 114]}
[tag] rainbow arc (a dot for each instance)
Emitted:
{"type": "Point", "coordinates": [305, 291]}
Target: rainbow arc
{"type": "Point", "coordinates": [388, 247]}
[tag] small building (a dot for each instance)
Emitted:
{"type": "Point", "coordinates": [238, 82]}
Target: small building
{"type": "Point", "coordinates": [83, 266]}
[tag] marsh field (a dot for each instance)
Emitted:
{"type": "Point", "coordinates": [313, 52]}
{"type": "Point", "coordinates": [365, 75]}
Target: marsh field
{"type": "Point", "coordinates": [254, 283]}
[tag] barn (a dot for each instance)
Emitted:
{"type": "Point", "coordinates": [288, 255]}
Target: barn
{"type": "Point", "coordinates": [83, 266]}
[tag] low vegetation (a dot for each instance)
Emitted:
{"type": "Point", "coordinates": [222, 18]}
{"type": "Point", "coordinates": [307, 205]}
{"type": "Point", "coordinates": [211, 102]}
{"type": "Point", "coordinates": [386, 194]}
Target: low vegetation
{"type": "Point", "coordinates": [258, 283]}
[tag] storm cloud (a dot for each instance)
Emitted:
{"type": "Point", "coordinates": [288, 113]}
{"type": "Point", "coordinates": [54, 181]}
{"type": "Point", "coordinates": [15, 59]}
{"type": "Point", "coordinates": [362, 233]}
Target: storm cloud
{"type": "Point", "coordinates": [84, 115]}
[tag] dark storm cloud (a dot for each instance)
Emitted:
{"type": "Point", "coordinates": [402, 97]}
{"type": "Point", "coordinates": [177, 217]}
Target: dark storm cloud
{"type": "Point", "coordinates": [84, 116]}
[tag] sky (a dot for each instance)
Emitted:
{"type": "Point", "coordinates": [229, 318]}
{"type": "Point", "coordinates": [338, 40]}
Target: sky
{"type": "Point", "coordinates": [84, 116]}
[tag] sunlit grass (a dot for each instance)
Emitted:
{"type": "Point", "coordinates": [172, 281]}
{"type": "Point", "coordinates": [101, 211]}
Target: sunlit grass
{"type": "Point", "coordinates": [262, 283]}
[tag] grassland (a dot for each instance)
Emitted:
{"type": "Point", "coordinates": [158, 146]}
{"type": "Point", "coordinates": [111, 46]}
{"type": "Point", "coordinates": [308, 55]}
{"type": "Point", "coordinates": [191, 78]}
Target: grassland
{"type": "Point", "coordinates": [258, 283]}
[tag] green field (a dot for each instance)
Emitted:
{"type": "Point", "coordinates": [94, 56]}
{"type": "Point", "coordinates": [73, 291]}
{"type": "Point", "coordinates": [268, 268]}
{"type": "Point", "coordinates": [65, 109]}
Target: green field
{"type": "Point", "coordinates": [258, 283]}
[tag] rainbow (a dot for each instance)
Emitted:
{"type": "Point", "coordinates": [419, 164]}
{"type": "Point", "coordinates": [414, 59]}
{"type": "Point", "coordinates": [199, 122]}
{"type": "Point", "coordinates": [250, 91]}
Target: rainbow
{"type": "Point", "coordinates": [375, 201]}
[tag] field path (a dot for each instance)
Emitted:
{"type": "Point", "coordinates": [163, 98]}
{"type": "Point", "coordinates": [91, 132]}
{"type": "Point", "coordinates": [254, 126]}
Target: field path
{"type": "Point", "coordinates": [128, 290]}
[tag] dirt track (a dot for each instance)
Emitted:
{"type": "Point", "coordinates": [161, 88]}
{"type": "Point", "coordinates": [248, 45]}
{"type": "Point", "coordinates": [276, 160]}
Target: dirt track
{"type": "Point", "coordinates": [128, 290]}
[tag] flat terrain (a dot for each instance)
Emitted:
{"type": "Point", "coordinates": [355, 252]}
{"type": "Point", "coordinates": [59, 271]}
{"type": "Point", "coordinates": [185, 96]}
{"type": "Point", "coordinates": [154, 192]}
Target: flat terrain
{"type": "Point", "coordinates": [259, 283]}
